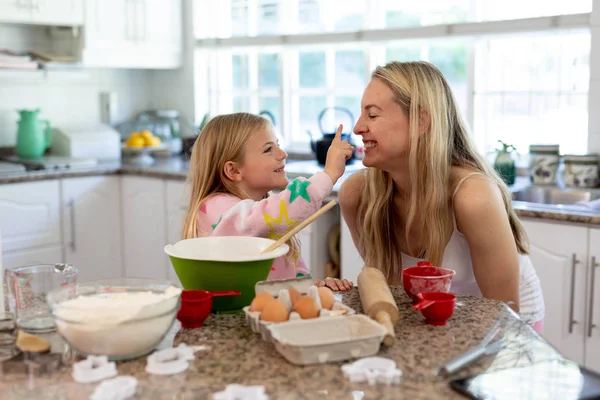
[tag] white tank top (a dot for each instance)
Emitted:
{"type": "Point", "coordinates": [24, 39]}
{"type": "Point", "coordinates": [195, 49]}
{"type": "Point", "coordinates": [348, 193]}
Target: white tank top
{"type": "Point", "coordinates": [457, 256]}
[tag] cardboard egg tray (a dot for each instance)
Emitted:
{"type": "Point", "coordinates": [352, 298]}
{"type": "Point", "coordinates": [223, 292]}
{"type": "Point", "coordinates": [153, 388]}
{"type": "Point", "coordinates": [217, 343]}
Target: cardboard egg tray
{"type": "Point", "coordinates": [279, 290]}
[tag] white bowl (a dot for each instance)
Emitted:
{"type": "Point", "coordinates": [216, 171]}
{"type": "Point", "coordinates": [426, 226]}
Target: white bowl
{"type": "Point", "coordinates": [225, 248]}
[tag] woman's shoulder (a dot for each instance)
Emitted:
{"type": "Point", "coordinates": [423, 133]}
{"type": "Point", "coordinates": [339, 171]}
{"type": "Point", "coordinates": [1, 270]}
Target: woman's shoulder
{"type": "Point", "coordinates": [351, 189]}
{"type": "Point", "coordinates": [473, 191]}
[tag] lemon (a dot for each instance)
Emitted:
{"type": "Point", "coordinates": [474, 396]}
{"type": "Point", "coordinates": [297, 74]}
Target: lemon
{"type": "Point", "coordinates": [135, 141]}
{"type": "Point", "coordinates": [154, 142]}
{"type": "Point", "coordinates": [146, 134]}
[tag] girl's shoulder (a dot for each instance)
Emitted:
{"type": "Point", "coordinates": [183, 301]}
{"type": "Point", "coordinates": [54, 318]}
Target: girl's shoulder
{"type": "Point", "coordinates": [220, 201]}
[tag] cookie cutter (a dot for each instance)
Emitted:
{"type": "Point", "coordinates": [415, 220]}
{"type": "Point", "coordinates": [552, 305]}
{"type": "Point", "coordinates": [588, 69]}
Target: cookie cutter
{"type": "Point", "coordinates": [170, 361]}
{"type": "Point", "coordinates": [373, 370]}
{"type": "Point", "coordinates": [241, 392]}
{"type": "Point", "coordinates": [119, 388]}
{"type": "Point", "coordinates": [93, 369]}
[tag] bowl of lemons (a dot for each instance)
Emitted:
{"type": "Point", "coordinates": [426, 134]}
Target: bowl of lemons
{"type": "Point", "coordinates": [139, 145]}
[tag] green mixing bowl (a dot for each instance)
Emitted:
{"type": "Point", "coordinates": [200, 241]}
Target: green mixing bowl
{"type": "Point", "coordinates": [223, 263]}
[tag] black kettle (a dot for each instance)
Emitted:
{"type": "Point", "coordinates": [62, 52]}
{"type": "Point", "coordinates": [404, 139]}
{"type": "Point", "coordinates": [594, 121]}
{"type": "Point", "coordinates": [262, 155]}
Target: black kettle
{"type": "Point", "coordinates": [320, 146]}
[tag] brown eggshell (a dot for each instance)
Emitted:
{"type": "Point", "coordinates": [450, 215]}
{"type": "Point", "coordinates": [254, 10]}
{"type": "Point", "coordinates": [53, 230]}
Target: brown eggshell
{"type": "Point", "coordinates": [327, 297]}
{"type": "Point", "coordinates": [258, 303]}
{"type": "Point", "coordinates": [294, 295]}
{"type": "Point", "coordinates": [306, 307]}
{"type": "Point", "coordinates": [274, 311]}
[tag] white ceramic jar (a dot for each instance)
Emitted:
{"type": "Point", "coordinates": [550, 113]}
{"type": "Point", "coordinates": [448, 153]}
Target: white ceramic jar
{"type": "Point", "coordinates": [581, 170]}
{"type": "Point", "coordinates": [543, 166]}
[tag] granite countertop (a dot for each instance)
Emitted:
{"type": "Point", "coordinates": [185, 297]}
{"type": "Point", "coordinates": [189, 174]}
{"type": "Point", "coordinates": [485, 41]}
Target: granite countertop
{"type": "Point", "coordinates": [236, 355]}
{"type": "Point", "coordinates": [177, 168]}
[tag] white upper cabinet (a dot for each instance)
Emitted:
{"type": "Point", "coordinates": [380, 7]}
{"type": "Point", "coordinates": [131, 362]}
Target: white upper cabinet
{"type": "Point", "coordinates": [42, 12]}
{"type": "Point", "coordinates": [132, 34]}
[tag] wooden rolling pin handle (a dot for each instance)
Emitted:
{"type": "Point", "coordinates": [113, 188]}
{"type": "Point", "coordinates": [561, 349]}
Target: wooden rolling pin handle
{"type": "Point", "coordinates": [384, 319]}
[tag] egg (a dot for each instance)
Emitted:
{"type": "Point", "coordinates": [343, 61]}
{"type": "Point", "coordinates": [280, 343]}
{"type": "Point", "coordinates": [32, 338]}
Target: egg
{"type": "Point", "coordinates": [294, 295]}
{"type": "Point", "coordinates": [258, 303]}
{"type": "Point", "coordinates": [306, 307]}
{"type": "Point", "coordinates": [327, 297]}
{"type": "Point", "coordinates": [274, 311]}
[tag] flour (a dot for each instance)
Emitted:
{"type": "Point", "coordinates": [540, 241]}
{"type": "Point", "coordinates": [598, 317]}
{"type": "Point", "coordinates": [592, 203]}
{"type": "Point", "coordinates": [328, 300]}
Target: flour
{"type": "Point", "coordinates": [120, 325]}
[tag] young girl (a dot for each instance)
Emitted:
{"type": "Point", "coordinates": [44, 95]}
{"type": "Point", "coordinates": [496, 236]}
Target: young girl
{"type": "Point", "coordinates": [427, 194]}
{"type": "Point", "coordinates": [235, 163]}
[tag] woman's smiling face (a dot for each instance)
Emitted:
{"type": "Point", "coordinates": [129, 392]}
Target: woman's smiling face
{"type": "Point", "coordinates": [383, 126]}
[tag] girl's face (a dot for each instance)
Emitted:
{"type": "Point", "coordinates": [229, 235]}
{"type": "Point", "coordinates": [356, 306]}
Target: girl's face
{"type": "Point", "coordinates": [383, 126]}
{"type": "Point", "coordinates": [263, 167]}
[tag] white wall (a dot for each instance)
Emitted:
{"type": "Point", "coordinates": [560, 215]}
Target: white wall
{"type": "Point", "coordinates": [72, 97]}
{"type": "Point", "coordinates": [174, 89]}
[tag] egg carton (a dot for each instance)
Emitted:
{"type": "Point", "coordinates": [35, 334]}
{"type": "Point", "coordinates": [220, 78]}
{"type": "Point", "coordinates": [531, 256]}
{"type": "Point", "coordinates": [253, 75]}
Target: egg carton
{"type": "Point", "coordinates": [324, 340]}
{"type": "Point", "coordinates": [283, 295]}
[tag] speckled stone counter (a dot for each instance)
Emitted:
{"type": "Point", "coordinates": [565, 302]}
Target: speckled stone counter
{"type": "Point", "coordinates": [177, 168]}
{"type": "Point", "coordinates": [236, 355]}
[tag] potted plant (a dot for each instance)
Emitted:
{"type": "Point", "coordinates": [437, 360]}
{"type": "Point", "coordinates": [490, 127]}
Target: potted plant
{"type": "Point", "coordinates": [504, 163]}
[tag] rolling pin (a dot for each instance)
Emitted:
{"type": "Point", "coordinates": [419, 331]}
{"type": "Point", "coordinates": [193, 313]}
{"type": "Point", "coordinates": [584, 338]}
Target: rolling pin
{"type": "Point", "coordinates": [378, 302]}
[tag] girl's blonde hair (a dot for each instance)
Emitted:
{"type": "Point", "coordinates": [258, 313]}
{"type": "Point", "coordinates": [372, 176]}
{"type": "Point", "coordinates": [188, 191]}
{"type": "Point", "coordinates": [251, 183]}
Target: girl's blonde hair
{"type": "Point", "coordinates": [419, 87]}
{"type": "Point", "coordinates": [222, 139]}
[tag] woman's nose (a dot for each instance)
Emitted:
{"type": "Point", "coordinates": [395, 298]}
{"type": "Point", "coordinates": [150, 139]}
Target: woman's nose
{"type": "Point", "coordinates": [360, 127]}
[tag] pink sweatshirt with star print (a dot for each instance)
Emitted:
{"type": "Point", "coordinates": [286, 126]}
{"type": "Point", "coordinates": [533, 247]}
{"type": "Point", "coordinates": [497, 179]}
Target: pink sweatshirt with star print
{"type": "Point", "coordinates": [228, 215]}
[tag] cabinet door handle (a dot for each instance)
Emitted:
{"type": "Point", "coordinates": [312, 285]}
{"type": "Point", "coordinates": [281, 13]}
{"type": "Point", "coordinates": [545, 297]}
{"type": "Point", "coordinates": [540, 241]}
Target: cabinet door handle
{"type": "Point", "coordinates": [591, 324]}
{"type": "Point", "coordinates": [72, 215]}
{"type": "Point", "coordinates": [574, 262]}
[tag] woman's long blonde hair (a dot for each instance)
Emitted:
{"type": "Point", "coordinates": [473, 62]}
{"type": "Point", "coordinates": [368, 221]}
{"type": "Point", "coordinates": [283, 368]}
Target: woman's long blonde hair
{"type": "Point", "coordinates": [419, 87]}
{"type": "Point", "coordinates": [222, 139]}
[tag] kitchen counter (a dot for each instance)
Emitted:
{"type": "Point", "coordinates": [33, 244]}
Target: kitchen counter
{"type": "Point", "coordinates": [236, 355]}
{"type": "Point", "coordinates": [177, 168]}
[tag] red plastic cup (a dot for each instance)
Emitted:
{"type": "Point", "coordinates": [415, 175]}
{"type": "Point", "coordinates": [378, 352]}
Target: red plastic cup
{"type": "Point", "coordinates": [436, 307]}
{"type": "Point", "coordinates": [426, 278]}
{"type": "Point", "coordinates": [196, 306]}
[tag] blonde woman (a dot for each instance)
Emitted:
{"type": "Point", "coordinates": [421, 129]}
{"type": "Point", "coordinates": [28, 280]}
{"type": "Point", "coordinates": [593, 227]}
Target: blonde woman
{"type": "Point", "coordinates": [236, 162]}
{"type": "Point", "coordinates": [428, 195]}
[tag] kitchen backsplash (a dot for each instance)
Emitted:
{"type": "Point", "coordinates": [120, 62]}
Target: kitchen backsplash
{"type": "Point", "coordinates": [69, 98]}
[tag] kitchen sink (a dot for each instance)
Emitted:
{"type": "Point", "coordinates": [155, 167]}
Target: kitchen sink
{"type": "Point", "coordinates": [556, 198]}
{"type": "Point", "coordinates": [555, 195]}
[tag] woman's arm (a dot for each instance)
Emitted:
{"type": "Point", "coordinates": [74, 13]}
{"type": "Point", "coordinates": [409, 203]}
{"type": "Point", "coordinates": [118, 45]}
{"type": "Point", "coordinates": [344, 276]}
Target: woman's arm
{"type": "Point", "coordinates": [349, 197]}
{"type": "Point", "coordinates": [482, 218]}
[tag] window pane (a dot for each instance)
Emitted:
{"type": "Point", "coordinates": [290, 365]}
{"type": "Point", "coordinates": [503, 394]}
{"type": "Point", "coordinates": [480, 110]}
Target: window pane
{"type": "Point", "coordinates": [309, 109]}
{"type": "Point", "coordinates": [513, 9]}
{"type": "Point", "coordinates": [268, 17]}
{"type": "Point", "coordinates": [405, 51]}
{"type": "Point", "coordinates": [241, 104]}
{"type": "Point", "coordinates": [270, 107]}
{"type": "Point", "coordinates": [239, 17]}
{"type": "Point", "coordinates": [239, 71]}
{"type": "Point", "coordinates": [451, 59]}
{"type": "Point", "coordinates": [268, 70]}
{"type": "Point", "coordinates": [312, 69]}
{"type": "Point", "coordinates": [352, 103]}
{"type": "Point", "coordinates": [348, 15]}
{"type": "Point", "coordinates": [350, 70]}
{"type": "Point", "coordinates": [310, 16]}
{"type": "Point", "coordinates": [400, 14]}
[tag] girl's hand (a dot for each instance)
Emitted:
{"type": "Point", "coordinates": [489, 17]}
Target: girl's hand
{"type": "Point", "coordinates": [339, 152]}
{"type": "Point", "coordinates": [340, 285]}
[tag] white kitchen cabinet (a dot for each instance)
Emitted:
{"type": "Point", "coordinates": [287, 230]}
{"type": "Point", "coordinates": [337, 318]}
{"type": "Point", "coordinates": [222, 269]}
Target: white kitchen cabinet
{"type": "Point", "coordinates": [39, 255]}
{"type": "Point", "coordinates": [592, 328]}
{"type": "Point", "coordinates": [177, 204]}
{"type": "Point", "coordinates": [132, 34]}
{"type": "Point", "coordinates": [144, 227]}
{"type": "Point", "coordinates": [315, 242]}
{"type": "Point", "coordinates": [558, 253]}
{"type": "Point", "coordinates": [351, 263]}
{"type": "Point", "coordinates": [14, 11]}
{"type": "Point", "coordinates": [91, 209]}
{"type": "Point", "coordinates": [42, 12]}
{"type": "Point", "coordinates": [30, 215]}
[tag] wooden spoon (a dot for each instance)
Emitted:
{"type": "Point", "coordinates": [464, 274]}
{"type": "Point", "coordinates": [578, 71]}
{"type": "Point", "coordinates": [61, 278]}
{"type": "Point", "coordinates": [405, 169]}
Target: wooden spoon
{"type": "Point", "coordinates": [300, 226]}
{"type": "Point", "coordinates": [31, 343]}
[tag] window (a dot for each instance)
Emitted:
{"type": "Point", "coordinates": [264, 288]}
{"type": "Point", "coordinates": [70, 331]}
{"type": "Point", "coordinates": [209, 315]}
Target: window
{"type": "Point", "coordinates": [292, 59]}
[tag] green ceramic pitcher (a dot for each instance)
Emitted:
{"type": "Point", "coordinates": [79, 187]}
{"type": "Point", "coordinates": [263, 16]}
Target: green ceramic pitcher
{"type": "Point", "coordinates": [34, 135]}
